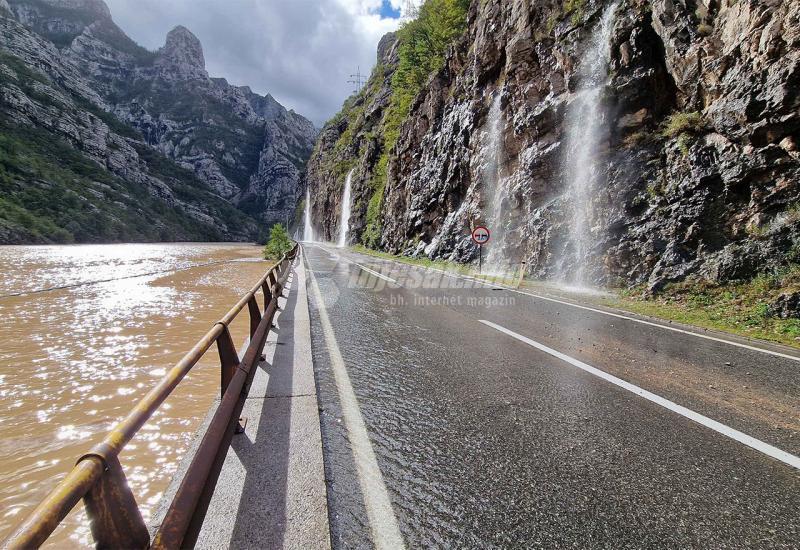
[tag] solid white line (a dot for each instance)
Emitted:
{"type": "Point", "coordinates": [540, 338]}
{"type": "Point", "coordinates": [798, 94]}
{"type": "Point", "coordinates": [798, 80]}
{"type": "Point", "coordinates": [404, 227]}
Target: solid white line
{"type": "Point", "coordinates": [727, 431]}
{"type": "Point", "coordinates": [609, 313]}
{"type": "Point", "coordinates": [380, 275]}
{"type": "Point", "coordinates": [385, 533]}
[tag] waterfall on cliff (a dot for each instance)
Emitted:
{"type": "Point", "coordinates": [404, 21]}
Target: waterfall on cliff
{"type": "Point", "coordinates": [344, 224]}
{"type": "Point", "coordinates": [583, 163]}
{"type": "Point", "coordinates": [308, 231]}
{"type": "Point", "coordinates": [495, 190]}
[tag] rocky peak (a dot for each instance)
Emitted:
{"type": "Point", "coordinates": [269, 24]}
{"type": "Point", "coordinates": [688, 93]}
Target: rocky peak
{"type": "Point", "coordinates": [184, 47]}
{"type": "Point", "coordinates": [95, 7]}
{"type": "Point", "coordinates": [182, 56]}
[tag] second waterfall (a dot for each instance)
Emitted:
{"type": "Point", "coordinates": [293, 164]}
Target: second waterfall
{"type": "Point", "coordinates": [308, 229]}
{"type": "Point", "coordinates": [344, 223]}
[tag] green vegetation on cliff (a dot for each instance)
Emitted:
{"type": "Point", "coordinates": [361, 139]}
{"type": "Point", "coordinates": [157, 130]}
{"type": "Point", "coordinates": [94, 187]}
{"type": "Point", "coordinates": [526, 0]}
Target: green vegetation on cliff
{"type": "Point", "coordinates": [50, 192]}
{"type": "Point", "coordinates": [421, 50]}
{"type": "Point", "coordinates": [422, 45]}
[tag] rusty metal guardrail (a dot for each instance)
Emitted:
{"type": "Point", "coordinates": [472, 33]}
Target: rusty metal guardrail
{"type": "Point", "coordinates": [98, 478]}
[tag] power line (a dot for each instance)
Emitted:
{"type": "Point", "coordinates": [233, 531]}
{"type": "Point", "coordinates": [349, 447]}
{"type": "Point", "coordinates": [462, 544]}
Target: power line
{"type": "Point", "coordinates": [410, 10]}
{"type": "Point", "coordinates": [357, 80]}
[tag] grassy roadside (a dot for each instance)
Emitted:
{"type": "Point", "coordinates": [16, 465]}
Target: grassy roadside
{"type": "Point", "coordinates": [450, 267]}
{"type": "Point", "coordinates": [454, 267]}
{"type": "Point", "coordinates": [740, 308]}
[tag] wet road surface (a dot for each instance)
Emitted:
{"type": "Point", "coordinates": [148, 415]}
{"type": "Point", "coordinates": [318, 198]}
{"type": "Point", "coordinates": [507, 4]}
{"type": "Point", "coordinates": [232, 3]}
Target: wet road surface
{"type": "Point", "coordinates": [483, 436]}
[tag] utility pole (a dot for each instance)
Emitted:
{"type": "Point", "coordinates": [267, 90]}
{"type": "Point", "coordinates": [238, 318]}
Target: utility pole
{"type": "Point", "coordinates": [357, 80]}
{"type": "Point", "coordinates": [410, 10]}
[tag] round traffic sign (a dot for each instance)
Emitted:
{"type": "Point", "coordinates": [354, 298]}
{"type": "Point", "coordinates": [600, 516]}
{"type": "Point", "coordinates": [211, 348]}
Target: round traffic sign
{"type": "Point", "coordinates": [481, 235]}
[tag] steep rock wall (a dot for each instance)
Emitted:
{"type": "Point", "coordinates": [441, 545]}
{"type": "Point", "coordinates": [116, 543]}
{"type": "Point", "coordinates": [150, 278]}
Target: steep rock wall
{"type": "Point", "coordinates": [701, 164]}
{"type": "Point", "coordinates": [353, 140]}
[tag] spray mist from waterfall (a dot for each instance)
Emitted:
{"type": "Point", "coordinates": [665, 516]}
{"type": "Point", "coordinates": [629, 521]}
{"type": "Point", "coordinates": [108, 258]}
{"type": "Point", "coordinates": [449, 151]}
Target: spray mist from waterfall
{"type": "Point", "coordinates": [495, 189]}
{"type": "Point", "coordinates": [344, 223]}
{"type": "Point", "coordinates": [583, 164]}
{"type": "Point", "coordinates": [308, 231]}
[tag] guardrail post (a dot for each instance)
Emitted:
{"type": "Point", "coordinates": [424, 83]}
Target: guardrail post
{"type": "Point", "coordinates": [267, 289]}
{"type": "Point", "coordinates": [115, 519]}
{"type": "Point", "coordinates": [255, 315]}
{"type": "Point", "coordinates": [228, 359]}
{"type": "Point", "coordinates": [276, 290]}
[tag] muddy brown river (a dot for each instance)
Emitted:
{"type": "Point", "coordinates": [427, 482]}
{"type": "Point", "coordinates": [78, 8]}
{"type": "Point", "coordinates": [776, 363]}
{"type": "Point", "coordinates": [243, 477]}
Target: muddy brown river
{"type": "Point", "coordinates": [87, 331]}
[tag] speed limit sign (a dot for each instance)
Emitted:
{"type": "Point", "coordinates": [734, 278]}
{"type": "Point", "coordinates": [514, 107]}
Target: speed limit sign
{"type": "Point", "coordinates": [481, 235]}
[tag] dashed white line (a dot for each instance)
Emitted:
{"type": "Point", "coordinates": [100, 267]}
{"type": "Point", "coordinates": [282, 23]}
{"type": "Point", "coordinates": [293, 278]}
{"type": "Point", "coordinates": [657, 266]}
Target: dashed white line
{"type": "Point", "coordinates": [608, 313]}
{"type": "Point", "coordinates": [718, 427]}
{"type": "Point", "coordinates": [385, 532]}
{"type": "Point", "coordinates": [379, 275]}
{"type": "Point", "coordinates": [666, 327]}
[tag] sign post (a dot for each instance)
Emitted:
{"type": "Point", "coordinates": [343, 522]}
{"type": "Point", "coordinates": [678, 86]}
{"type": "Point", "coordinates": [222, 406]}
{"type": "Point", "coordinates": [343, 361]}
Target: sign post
{"type": "Point", "coordinates": [480, 236]}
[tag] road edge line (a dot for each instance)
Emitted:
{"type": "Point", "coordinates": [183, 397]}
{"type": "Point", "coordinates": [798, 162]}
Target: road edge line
{"type": "Point", "coordinates": [383, 523]}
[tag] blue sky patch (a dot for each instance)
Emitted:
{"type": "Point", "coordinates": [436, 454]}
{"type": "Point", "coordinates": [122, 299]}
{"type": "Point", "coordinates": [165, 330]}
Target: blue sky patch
{"type": "Point", "coordinates": [388, 12]}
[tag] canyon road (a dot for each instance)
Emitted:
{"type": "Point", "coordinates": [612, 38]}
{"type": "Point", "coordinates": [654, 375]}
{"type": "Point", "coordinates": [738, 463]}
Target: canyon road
{"type": "Point", "coordinates": [460, 414]}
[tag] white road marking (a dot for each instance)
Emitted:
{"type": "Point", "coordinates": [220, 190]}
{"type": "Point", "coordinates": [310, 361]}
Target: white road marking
{"type": "Point", "coordinates": [385, 532]}
{"type": "Point", "coordinates": [666, 327]}
{"type": "Point", "coordinates": [379, 275]}
{"type": "Point", "coordinates": [727, 431]}
{"type": "Point", "coordinates": [608, 313]}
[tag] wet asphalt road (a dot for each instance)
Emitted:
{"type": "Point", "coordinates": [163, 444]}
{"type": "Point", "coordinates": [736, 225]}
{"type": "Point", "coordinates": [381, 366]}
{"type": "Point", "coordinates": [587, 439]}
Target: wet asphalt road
{"type": "Point", "coordinates": [483, 441]}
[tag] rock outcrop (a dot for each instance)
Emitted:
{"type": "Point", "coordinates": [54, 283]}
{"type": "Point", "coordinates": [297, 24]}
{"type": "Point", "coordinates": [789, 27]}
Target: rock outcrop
{"type": "Point", "coordinates": [182, 57]}
{"type": "Point", "coordinates": [700, 167]}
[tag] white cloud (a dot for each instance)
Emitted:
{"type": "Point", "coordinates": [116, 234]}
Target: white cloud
{"type": "Point", "coordinates": [301, 51]}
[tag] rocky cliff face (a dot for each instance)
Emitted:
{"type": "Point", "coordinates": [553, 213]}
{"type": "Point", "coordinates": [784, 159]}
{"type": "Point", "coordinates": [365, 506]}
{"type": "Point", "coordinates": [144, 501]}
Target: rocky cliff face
{"type": "Point", "coordinates": [352, 141]}
{"type": "Point", "coordinates": [697, 170]}
{"type": "Point", "coordinates": [244, 149]}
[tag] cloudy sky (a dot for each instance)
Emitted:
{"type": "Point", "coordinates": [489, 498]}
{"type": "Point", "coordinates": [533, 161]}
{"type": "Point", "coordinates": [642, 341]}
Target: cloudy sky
{"type": "Point", "coordinates": [301, 51]}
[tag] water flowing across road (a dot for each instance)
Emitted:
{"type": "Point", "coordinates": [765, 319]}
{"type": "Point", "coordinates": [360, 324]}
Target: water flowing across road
{"type": "Point", "coordinates": [499, 418]}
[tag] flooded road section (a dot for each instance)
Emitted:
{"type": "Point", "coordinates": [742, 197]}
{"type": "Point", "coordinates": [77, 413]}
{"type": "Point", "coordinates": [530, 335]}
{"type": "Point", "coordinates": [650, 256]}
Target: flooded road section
{"type": "Point", "coordinates": [87, 331]}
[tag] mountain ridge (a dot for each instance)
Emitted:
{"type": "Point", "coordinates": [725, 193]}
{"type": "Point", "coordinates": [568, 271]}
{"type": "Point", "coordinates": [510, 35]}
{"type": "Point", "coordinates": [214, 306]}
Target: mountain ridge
{"type": "Point", "coordinates": [245, 149]}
